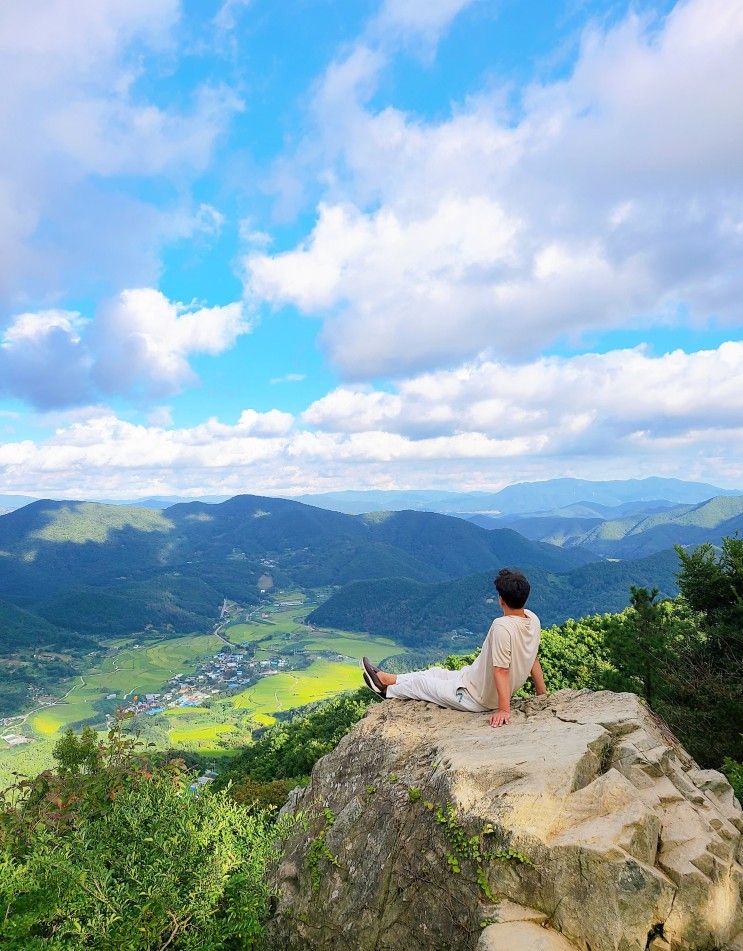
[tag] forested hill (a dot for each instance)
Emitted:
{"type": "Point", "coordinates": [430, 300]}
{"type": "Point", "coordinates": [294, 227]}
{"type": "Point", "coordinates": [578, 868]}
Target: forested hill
{"type": "Point", "coordinates": [109, 569]}
{"type": "Point", "coordinates": [638, 534]}
{"type": "Point", "coordinates": [417, 614]}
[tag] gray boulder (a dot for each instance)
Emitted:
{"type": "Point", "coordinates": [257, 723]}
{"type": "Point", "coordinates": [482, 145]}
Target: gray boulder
{"type": "Point", "coordinates": [581, 825]}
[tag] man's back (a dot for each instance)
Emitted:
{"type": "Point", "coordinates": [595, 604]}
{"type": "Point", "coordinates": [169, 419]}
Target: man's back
{"type": "Point", "coordinates": [512, 642]}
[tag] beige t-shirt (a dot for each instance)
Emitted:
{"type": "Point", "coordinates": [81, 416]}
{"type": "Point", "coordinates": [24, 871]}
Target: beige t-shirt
{"type": "Point", "coordinates": [512, 642]}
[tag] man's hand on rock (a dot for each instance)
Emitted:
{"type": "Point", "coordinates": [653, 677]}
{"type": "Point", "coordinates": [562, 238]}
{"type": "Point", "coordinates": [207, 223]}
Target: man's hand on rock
{"type": "Point", "coordinates": [500, 718]}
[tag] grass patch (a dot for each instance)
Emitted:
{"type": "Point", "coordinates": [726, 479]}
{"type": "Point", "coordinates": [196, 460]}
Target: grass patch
{"type": "Point", "coordinates": [376, 649]}
{"type": "Point", "coordinates": [263, 719]}
{"type": "Point", "coordinates": [81, 522]}
{"type": "Point", "coordinates": [197, 735]}
{"type": "Point", "coordinates": [284, 691]}
{"type": "Point", "coordinates": [184, 711]}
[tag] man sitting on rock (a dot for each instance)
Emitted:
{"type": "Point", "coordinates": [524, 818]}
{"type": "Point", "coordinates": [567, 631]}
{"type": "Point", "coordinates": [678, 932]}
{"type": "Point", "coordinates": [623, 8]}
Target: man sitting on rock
{"type": "Point", "coordinates": [506, 659]}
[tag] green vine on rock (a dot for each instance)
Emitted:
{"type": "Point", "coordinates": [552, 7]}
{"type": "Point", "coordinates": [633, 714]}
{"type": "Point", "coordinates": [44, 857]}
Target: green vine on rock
{"type": "Point", "coordinates": [471, 848]}
{"type": "Point", "coordinates": [318, 850]}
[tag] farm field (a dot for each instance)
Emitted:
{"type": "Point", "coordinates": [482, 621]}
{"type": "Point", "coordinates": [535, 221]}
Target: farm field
{"type": "Point", "coordinates": [284, 634]}
{"type": "Point", "coordinates": [195, 736]}
{"type": "Point", "coordinates": [223, 723]}
{"type": "Point", "coordinates": [127, 671]}
{"type": "Point", "coordinates": [282, 692]}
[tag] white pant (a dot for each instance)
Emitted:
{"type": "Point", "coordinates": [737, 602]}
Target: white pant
{"type": "Point", "coordinates": [437, 685]}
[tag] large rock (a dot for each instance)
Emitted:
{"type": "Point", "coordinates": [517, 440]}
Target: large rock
{"type": "Point", "coordinates": [606, 836]}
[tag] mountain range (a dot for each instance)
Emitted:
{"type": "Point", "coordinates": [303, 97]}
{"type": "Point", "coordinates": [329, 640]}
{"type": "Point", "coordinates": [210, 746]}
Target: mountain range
{"type": "Point", "coordinates": [634, 535]}
{"type": "Point", "coordinates": [417, 613]}
{"type": "Point", "coordinates": [606, 499]}
{"type": "Point", "coordinates": [74, 574]}
{"type": "Point", "coordinates": [109, 569]}
{"type": "Point", "coordinates": [527, 497]}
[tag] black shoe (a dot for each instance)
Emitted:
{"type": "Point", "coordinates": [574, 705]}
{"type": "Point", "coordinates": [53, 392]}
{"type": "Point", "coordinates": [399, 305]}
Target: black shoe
{"type": "Point", "coordinates": [382, 694]}
{"type": "Point", "coordinates": [371, 679]}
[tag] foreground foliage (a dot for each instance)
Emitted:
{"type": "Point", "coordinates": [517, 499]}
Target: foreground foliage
{"type": "Point", "coordinates": [112, 850]}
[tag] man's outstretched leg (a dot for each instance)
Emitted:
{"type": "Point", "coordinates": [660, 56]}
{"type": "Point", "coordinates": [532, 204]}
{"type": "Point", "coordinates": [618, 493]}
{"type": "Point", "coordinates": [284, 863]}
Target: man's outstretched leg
{"type": "Point", "coordinates": [435, 685]}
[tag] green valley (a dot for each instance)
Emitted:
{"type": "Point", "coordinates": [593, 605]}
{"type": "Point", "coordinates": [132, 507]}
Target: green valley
{"type": "Point", "coordinates": [288, 664]}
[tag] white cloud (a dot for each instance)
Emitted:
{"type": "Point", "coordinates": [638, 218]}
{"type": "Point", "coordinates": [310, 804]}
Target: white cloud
{"type": "Point", "coordinates": [140, 343]}
{"type": "Point", "coordinates": [74, 125]}
{"type": "Point", "coordinates": [143, 339]}
{"type": "Point", "coordinates": [611, 198]}
{"type": "Point", "coordinates": [32, 327]}
{"type": "Point", "coordinates": [625, 413]}
{"type": "Point", "coordinates": [287, 378]}
{"type": "Point", "coordinates": [585, 403]}
{"type": "Point", "coordinates": [423, 19]}
{"type": "Point", "coordinates": [43, 359]}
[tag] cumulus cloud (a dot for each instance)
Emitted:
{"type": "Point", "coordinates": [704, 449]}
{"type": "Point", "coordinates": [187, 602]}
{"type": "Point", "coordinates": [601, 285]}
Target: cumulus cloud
{"type": "Point", "coordinates": [139, 344]}
{"type": "Point", "coordinates": [625, 412]}
{"type": "Point", "coordinates": [610, 198]}
{"type": "Point", "coordinates": [71, 86]}
{"type": "Point", "coordinates": [593, 402]}
{"type": "Point", "coordinates": [43, 359]}
{"type": "Point", "coordinates": [142, 339]}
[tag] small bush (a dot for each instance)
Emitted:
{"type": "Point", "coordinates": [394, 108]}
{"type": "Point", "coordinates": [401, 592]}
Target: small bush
{"type": "Point", "coordinates": [259, 796]}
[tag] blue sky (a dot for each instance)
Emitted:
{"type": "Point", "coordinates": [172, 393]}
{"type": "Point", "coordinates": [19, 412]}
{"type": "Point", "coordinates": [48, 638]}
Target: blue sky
{"type": "Point", "coordinates": [285, 247]}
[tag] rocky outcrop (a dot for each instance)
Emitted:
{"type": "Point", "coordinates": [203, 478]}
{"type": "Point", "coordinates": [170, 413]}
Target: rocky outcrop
{"type": "Point", "coordinates": [581, 825]}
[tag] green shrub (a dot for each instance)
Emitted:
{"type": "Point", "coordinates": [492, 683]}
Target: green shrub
{"type": "Point", "coordinates": [117, 852]}
{"type": "Point", "coordinates": [255, 795]}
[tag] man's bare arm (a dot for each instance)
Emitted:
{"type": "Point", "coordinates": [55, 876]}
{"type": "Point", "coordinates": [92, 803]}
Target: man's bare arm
{"type": "Point", "coordinates": [538, 677]}
{"type": "Point", "coordinates": [503, 685]}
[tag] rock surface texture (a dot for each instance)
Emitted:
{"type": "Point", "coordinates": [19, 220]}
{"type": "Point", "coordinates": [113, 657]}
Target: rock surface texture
{"type": "Point", "coordinates": [581, 825]}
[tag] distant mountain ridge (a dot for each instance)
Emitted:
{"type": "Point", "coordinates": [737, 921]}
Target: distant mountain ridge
{"type": "Point", "coordinates": [543, 497]}
{"type": "Point", "coordinates": [523, 497]}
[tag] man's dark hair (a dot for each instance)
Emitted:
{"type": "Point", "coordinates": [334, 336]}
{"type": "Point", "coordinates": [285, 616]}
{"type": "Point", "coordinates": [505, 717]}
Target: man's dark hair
{"type": "Point", "coordinates": [513, 587]}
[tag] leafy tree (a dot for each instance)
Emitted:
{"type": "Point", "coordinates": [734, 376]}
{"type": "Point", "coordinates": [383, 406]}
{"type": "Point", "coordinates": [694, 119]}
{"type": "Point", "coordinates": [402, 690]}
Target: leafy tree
{"type": "Point", "coordinates": [712, 584]}
{"type": "Point", "coordinates": [710, 697]}
{"type": "Point", "coordinates": [639, 645]}
{"type": "Point", "coordinates": [78, 754]}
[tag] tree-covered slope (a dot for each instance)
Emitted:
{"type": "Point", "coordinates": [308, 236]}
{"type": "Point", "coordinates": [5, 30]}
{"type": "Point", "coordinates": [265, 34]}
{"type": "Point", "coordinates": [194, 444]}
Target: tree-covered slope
{"type": "Point", "coordinates": [110, 569]}
{"type": "Point", "coordinates": [634, 537]}
{"type": "Point", "coordinates": [19, 629]}
{"type": "Point", "coordinates": [457, 547]}
{"type": "Point", "coordinates": [418, 614]}
{"type": "Point", "coordinates": [565, 531]}
{"type": "Point", "coordinates": [635, 534]}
